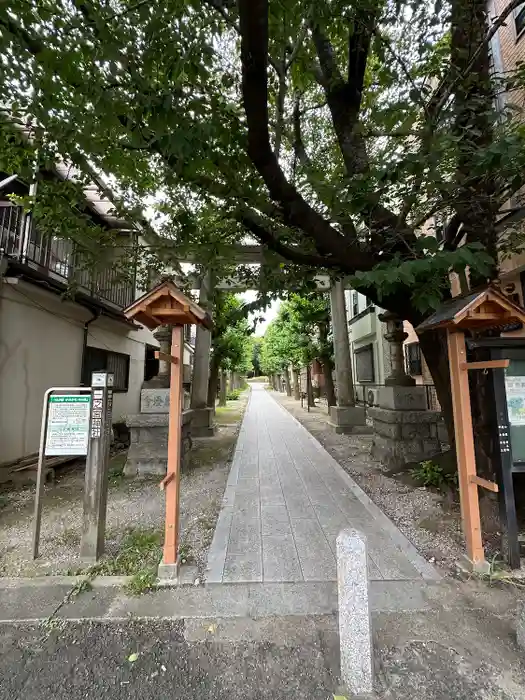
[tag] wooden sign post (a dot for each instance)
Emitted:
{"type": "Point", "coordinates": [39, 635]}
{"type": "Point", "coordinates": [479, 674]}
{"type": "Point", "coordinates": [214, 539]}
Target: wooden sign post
{"type": "Point", "coordinates": [167, 305]}
{"type": "Point", "coordinates": [477, 311]}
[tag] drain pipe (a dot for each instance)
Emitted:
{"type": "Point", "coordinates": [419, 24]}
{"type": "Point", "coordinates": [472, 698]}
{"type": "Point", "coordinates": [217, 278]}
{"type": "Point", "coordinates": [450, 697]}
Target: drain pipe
{"type": "Point", "coordinates": [96, 314]}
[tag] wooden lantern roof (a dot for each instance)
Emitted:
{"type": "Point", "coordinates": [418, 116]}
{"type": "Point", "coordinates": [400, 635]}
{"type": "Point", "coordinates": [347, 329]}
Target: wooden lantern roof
{"type": "Point", "coordinates": [480, 310]}
{"type": "Point", "coordinates": [167, 305]}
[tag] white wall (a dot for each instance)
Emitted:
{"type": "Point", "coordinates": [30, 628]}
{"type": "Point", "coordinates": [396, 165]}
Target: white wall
{"type": "Point", "coordinates": [41, 339]}
{"type": "Point", "coordinates": [111, 335]}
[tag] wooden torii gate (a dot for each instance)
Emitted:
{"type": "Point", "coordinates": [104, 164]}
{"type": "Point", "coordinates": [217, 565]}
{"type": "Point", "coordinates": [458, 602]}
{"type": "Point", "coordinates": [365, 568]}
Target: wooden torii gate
{"type": "Point", "coordinates": [477, 311]}
{"type": "Point", "coordinates": [167, 305]}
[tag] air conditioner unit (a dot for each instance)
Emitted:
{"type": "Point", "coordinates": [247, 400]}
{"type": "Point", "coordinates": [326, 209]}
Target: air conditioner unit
{"type": "Point", "coordinates": [372, 397]}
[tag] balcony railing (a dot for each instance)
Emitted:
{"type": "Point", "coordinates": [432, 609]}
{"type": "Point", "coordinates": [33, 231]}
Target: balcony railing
{"type": "Point", "coordinates": [59, 259]}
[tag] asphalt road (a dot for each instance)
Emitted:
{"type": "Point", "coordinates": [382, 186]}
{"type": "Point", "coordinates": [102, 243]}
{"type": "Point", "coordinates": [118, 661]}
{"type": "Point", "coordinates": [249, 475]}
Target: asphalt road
{"type": "Point", "coordinates": [97, 660]}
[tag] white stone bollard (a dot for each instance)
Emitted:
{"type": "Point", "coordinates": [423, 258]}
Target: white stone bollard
{"type": "Point", "coordinates": [355, 629]}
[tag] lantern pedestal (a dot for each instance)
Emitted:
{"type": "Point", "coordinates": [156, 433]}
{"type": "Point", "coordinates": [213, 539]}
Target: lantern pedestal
{"type": "Point", "coordinates": [348, 419]}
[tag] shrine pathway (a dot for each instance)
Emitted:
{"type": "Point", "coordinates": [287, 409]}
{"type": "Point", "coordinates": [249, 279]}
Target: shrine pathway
{"type": "Point", "coordinates": [285, 503]}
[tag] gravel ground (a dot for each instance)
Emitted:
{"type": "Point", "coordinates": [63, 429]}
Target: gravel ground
{"type": "Point", "coordinates": [431, 521]}
{"type": "Point", "coordinates": [131, 504]}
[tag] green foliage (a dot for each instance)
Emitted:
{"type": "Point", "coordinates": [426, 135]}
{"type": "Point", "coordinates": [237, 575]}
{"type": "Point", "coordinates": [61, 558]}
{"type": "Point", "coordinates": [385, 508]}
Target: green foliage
{"type": "Point", "coordinates": [299, 334]}
{"type": "Point", "coordinates": [151, 95]}
{"type": "Point", "coordinates": [233, 394]}
{"type": "Point", "coordinates": [232, 348]}
{"type": "Point", "coordinates": [428, 473]}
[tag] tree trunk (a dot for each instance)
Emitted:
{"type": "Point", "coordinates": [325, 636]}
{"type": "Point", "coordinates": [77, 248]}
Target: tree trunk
{"type": "Point", "coordinates": [309, 388]}
{"type": "Point", "coordinates": [434, 347]}
{"type": "Point", "coordinates": [223, 389]}
{"type": "Point", "coordinates": [213, 382]}
{"type": "Point", "coordinates": [329, 388]}
{"type": "Point", "coordinates": [296, 385]}
{"type": "Point", "coordinates": [287, 385]}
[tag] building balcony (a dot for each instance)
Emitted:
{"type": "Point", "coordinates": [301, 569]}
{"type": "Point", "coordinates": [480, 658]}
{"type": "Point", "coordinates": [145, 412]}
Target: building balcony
{"type": "Point", "coordinates": [59, 261]}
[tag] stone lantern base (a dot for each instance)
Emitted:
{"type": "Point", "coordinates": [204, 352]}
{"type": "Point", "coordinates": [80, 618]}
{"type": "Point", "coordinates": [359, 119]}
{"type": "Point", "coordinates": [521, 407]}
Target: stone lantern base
{"type": "Point", "coordinates": [348, 419]}
{"type": "Point", "coordinates": [402, 436]}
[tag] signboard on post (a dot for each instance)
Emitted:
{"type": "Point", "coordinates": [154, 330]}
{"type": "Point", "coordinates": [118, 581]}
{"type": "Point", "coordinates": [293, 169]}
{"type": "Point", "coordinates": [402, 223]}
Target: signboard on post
{"type": "Point", "coordinates": [68, 425]}
{"type": "Point", "coordinates": [96, 484]}
{"type": "Point", "coordinates": [64, 431]}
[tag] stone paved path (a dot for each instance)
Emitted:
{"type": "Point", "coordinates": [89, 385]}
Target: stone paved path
{"type": "Point", "coordinates": [286, 501]}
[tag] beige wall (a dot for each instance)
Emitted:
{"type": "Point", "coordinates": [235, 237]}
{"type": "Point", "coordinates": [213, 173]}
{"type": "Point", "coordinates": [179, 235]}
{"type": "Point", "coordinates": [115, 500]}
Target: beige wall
{"type": "Point", "coordinates": [41, 340]}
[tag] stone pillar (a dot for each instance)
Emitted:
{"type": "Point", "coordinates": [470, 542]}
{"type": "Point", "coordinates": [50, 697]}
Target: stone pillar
{"type": "Point", "coordinates": [404, 430]}
{"type": "Point", "coordinates": [346, 417]}
{"type": "Point", "coordinates": [202, 415]}
{"type": "Point", "coordinates": [395, 336]}
{"type": "Point", "coordinates": [201, 358]}
{"type": "Point", "coordinates": [162, 381]}
{"type": "Point", "coordinates": [355, 624]}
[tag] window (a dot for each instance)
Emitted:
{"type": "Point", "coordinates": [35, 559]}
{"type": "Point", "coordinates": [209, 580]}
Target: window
{"type": "Point", "coordinates": [364, 364]}
{"type": "Point", "coordinates": [519, 19]}
{"type": "Point", "coordinates": [355, 304]}
{"type": "Point", "coordinates": [413, 358]}
{"type": "Point", "coordinates": [98, 359]}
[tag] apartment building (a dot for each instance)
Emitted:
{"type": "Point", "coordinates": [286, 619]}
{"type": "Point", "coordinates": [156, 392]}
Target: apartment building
{"type": "Point", "coordinates": [55, 333]}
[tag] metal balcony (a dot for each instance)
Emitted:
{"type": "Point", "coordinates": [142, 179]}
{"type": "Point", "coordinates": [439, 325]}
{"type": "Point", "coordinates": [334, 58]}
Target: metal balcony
{"type": "Point", "coordinates": [59, 259]}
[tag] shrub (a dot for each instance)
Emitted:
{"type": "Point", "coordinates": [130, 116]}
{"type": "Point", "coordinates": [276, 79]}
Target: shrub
{"type": "Point", "coordinates": [233, 394]}
{"type": "Point", "coordinates": [428, 473]}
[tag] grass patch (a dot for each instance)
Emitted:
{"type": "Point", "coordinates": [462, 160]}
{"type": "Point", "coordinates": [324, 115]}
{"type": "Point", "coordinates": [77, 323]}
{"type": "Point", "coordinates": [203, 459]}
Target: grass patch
{"type": "Point", "coordinates": [138, 557]}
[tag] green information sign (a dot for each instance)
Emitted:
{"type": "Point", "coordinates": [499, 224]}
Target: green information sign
{"type": "Point", "coordinates": [68, 425]}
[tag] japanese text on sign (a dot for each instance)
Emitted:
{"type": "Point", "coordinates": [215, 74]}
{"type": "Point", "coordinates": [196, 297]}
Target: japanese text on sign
{"type": "Point", "coordinates": [515, 388]}
{"type": "Point", "coordinates": [68, 425]}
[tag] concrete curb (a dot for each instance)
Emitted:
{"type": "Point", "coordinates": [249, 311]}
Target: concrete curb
{"type": "Point", "coordinates": [422, 566]}
{"type": "Point", "coordinates": [257, 600]}
{"type": "Point", "coordinates": [46, 581]}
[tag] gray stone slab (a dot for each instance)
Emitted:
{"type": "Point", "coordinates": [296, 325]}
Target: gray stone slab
{"type": "Point", "coordinates": [271, 494]}
{"type": "Point", "coordinates": [316, 558]}
{"type": "Point", "coordinates": [243, 568]}
{"type": "Point", "coordinates": [245, 535]}
{"type": "Point", "coordinates": [331, 519]}
{"type": "Point", "coordinates": [391, 561]}
{"type": "Point", "coordinates": [217, 551]}
{"type": "Point", "coordinates": [280, 561]}
{"type": "Point", "coordinates": [275, 521]}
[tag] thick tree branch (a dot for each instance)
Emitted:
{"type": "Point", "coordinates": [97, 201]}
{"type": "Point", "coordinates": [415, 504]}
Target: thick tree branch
{"type": "Point", "coordinates": [256, 225]}
{"type": "Point", "coordinates": [254, 57]}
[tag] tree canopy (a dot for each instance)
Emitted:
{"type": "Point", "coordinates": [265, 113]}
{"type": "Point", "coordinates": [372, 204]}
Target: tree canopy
{"type": "Point", "coordinates": [331, 132]}
{"type": "Point", "coordinates": [298, 335]}
{"type": "Point", "coordinates": [231, 335]}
